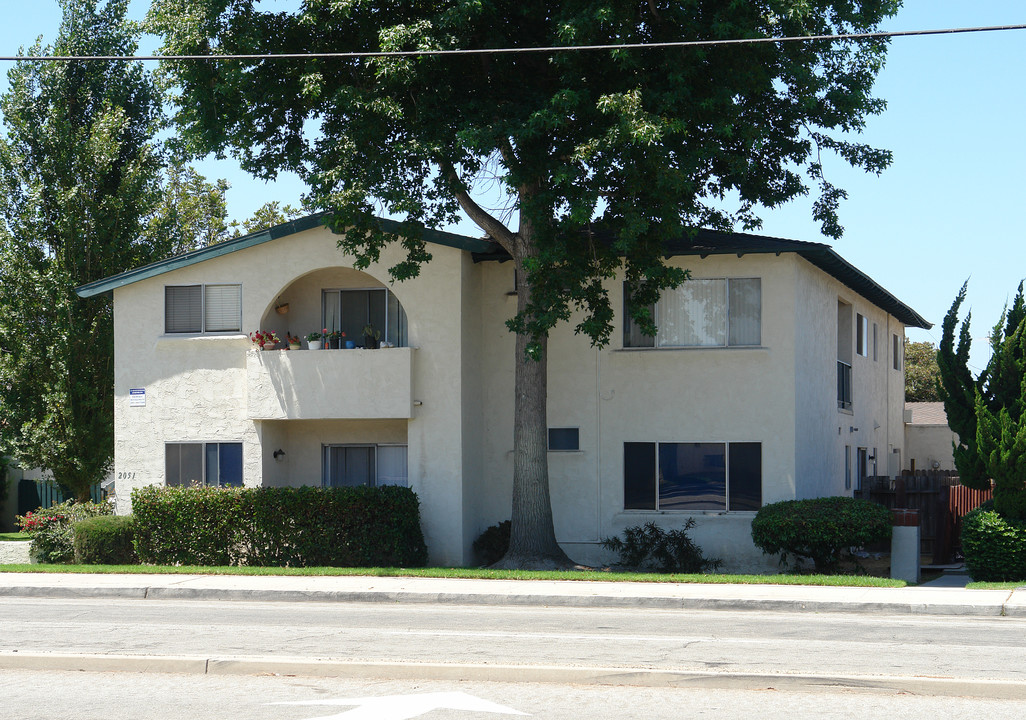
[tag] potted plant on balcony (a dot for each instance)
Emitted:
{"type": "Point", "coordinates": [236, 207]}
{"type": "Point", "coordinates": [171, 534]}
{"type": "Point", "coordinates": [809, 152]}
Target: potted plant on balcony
{"type": "Point", "coordinates": [313, 340]}
{"type": "Point", "coordinates": [335, 339]}
{"type": "Point", "coordinates": [371, 337]}
{"type": "Point", "coordinates": [264, 339]}
{"type": "Point", "coordinates": [293, 341]}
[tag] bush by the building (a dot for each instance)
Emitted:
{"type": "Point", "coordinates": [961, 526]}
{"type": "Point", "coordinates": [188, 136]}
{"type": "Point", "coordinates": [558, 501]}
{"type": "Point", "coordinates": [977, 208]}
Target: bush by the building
{"type": "Point", "coordinates": [652, 548]}
{"type": "Point", "coordinates": [280, 527]}
{"type": "Point", "coordinates": [105, 540]}
{"type": "Point", "coordinates": [994, 546]}
{"type": "Point", "coordinates": [52, 530]}
{"type": "Point", "coordinates": [820, 529]}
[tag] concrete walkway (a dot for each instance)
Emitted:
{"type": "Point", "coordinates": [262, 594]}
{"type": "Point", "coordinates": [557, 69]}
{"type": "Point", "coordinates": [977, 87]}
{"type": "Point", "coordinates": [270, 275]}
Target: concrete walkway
{"type": "Point", "coordinates": [921, 600]}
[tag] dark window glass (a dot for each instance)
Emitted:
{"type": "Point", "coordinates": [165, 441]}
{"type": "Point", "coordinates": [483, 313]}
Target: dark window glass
{"type": "Point", "coordinates": [229, 470]}
{"type": "Point", "coordinates": [564, 439]}
{"type": "Point", "coordinates": [692, 476]}
{"type": "Point", "coordinates": [639, 476]}
{"type": "Point", "coordinates": [745, 476]}
{"type": "Point", "coordinates": [349, 466]}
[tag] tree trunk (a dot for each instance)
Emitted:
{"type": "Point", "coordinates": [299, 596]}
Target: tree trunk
{"type": "Point", "coordinates": [532, 543]}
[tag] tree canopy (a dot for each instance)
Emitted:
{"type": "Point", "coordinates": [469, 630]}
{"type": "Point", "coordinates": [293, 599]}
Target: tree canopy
{"type": "Point", "coordinates": [921, 372]}
{"type": "Point", "coordinates": [81, 198]}
{"type": "Point", "coordinates": [602, 156]}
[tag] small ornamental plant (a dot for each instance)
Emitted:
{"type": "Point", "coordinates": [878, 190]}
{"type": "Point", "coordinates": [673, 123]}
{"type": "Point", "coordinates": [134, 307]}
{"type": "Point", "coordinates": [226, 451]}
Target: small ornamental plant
{"type": "Point", "coordinates": [313, 337]}
{"type": "Point", "coordinates": [264, 337]}
{"type": "Point", "coordinates": [52, 532]}
{"type": "Point", "coordinates": [291, 339]}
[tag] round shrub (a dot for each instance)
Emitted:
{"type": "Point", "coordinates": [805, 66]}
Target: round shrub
{"type": "Point", "coordinates": [820, 529]}
{"type": "Point", "coordinates": [994, 546]}
{"type": "Point", "coordinates": [105, 540]}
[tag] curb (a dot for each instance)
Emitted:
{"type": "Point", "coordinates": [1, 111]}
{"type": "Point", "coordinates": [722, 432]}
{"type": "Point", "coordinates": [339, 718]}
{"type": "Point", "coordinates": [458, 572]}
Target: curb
{"type": "Point", "coordinates": [987, 609]}
{"type": "Point", "coordinates": [606, 676]}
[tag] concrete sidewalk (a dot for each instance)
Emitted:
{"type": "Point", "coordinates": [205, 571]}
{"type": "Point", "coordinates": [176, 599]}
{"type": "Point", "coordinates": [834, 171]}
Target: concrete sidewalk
{"type": "Point", "coordinates": [921, 600]}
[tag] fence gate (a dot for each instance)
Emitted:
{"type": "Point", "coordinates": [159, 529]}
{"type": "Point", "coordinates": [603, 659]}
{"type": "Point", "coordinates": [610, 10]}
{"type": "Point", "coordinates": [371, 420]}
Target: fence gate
{"type": "Point", "coordinates": [940, 500]}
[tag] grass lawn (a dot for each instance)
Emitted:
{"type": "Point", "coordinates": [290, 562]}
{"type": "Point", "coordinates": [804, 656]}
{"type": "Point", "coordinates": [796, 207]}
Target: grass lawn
{"type": "Point", "coordinates": [594, 575]}
{"type": "Point", "coordinates": [15, 536]}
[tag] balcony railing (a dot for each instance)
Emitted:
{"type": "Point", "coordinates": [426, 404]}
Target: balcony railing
{"type": "Point", "coordinates": [843, 385]}
{"type": "Point", "coordinates": [330, 384]}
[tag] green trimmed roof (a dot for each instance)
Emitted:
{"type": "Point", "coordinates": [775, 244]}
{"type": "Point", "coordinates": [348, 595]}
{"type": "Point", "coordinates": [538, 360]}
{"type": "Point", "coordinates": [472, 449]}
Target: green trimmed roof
{"type": "Point", "coordinates": [702, 244]}
{"type": "Point", "coordinates": [106, 285]}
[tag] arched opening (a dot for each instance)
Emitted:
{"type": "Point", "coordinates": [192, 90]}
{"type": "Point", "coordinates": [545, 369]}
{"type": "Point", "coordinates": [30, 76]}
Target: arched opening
{"type": "Point", "coordinates": [352, 306]}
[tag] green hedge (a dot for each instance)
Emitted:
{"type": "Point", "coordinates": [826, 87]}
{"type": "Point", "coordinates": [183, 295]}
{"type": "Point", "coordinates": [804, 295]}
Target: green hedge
{"type": "Point", "coordinates": [279, 527]}
{"type": "Point", "coordinates": [820, 529]}
{"type": "Point", "coordinates": [105, 540]}
{"type": "Point", "coordinates": [994, 547]}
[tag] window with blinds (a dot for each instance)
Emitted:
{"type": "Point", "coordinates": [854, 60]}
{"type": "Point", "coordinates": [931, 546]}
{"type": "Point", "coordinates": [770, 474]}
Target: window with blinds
{"type": "Point", "coordinates": [713, 312]}
{"type": "Point", "coordinates": [202, 308]}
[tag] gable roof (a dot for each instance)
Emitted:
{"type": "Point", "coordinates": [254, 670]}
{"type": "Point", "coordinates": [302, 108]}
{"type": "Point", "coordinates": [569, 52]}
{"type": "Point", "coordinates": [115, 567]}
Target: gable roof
{"type": "Point", "coordinates": [702, 244]}
{"type": "Point", "coordinates": [106, 285]}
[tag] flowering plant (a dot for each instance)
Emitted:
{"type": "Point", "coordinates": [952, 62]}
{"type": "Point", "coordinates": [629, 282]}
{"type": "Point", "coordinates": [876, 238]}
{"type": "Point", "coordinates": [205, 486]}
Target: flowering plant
{"type": "Point", "coordinates": [335, 335]}
{"type": "Point", "coordinates": [52, 529]}
{"type": "Point", "coordinates": [264, 337]}
{"type": "Point", "coordinates": [313, 337]}
{"type": "Point", "coordinates": [291, 339]}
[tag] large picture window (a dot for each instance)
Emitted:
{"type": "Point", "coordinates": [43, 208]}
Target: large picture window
{"type": "Point", "coordinates": [692, 476]}
{"type": "Point", "coordinates": [202, 308]}
{"type": "Point", "coordinates": [712, 312]}
{"type": "Point", "coordinates": [352, 310]}
{"type": "Point", "coordinates": [371, 465]}
{"type": "Point", "coordinates": [214, 464]}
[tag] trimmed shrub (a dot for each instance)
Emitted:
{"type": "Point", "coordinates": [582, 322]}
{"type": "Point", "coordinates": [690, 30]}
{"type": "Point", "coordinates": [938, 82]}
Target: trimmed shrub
{"type": "Point", "coordinates": [52, 529]}
{"type": "Point", "coordinates": [105, 540]}
{"type": "Point", "coordinates": [188, 525]}
{"type": "Point", "coordinates": [492, 544]}
{"type": "Point", "coordinates": [666, 551]}
{"type": "Point", "coordinates": [279, 527]}
{"type": "Point", "coordinates": [994, 547]}
{"type": "Point", "coordinates": [820, 530]}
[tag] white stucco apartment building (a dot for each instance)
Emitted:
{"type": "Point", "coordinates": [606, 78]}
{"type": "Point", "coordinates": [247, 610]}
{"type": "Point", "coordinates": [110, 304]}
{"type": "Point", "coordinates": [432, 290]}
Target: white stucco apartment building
{"type": "Point", "coordinates": [776, 374]}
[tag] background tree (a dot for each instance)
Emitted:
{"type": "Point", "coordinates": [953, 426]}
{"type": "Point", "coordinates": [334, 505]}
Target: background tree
{"type": "Point", "coordinates": [921, 372]}
{"type": "Point", "coordinates": [268, 215]}
{"type": "Point", "coordinates": [987, 412]}
{"type": "Point", "coordinates": [80, 199]}
{"type": "Point", "coordinates": [603, 156]}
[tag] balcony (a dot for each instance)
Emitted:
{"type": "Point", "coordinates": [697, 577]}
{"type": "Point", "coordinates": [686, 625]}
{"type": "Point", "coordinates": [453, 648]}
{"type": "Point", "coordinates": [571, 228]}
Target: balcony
{"type": "Point", "coordinates": [330, 384]}
{"type": "Point", "coordinates": [843, 385]}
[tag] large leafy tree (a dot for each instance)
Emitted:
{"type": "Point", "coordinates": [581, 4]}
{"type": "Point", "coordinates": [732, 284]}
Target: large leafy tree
{"type": "Point", "coordinates": [80, 199]}
{"type": "Point", "coordinates": [602, 155]}
{"type": "Point", "coordinates": [988, 413]}
{"type": "Point", "coordinates": [921, 372]}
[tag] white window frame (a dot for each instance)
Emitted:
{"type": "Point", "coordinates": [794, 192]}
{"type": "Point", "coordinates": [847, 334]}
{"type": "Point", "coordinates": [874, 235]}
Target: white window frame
{"type": "Point", "coordinates": [204, 311]}
{"type": "Point", "coordinates": [659, 309]}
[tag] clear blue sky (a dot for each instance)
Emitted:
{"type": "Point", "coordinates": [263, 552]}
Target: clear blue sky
{"type": "Point", "coordinates": [948, 208]}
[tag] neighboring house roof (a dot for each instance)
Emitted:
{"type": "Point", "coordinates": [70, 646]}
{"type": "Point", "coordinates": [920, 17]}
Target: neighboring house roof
{"type": "Point", "coordinates": [926, 413]}
{"type": "Point", "coordinates": [702, 244]}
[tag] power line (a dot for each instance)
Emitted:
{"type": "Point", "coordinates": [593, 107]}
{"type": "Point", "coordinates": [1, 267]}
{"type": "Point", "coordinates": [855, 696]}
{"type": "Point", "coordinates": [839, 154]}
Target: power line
{"type": "Point", "coordinates": [516, 50]}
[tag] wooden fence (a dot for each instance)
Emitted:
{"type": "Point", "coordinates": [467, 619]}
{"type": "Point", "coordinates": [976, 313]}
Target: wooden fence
{"type": "Point", "coordinates": [940, 500]}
